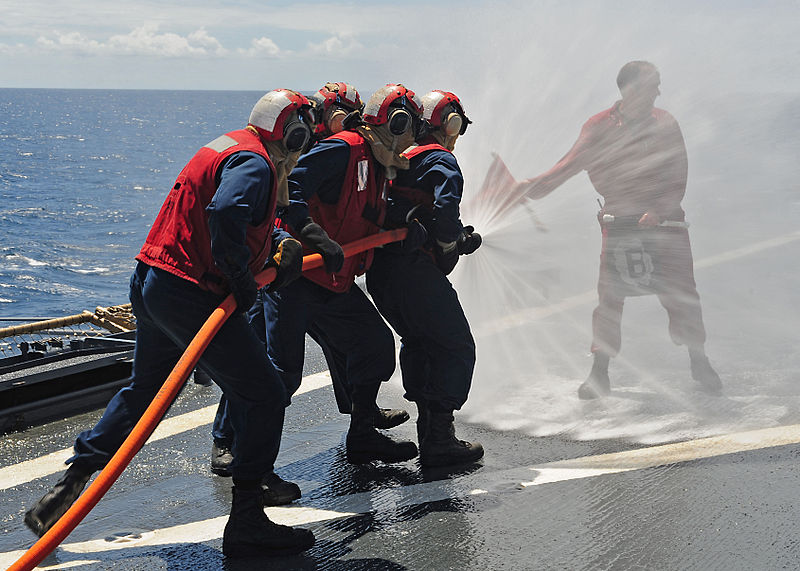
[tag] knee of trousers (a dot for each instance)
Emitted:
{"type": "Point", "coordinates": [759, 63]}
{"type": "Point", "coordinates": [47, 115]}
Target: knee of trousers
{"type": "Point", "coordinates": [261, 388]}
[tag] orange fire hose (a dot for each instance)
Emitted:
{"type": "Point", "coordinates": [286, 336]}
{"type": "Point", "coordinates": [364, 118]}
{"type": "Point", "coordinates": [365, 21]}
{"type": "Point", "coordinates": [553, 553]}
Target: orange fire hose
{"type": "Point", "coordinates": [163, 399]}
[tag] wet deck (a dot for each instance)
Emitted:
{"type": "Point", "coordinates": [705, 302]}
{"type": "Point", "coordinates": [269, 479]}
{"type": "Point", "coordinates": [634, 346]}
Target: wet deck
{"type": "Point", "coordinates": [721, 503]}
{"type": "Point", "coordinates": [625, 483]}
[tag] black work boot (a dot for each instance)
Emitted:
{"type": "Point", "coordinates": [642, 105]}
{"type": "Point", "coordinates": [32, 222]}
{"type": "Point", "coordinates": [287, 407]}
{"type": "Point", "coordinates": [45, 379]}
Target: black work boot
{"type": "Point", "coordinates": [364, 443]}
{"type": "Point", "coordinates": [389, 417]}
{"type": "Point", "coordinates": [703, 372]}
{"type": "Point", "coordinates": [250, 533]}
{"type": "Point", "coordinates": [597, 384]}
{"type": "Point", "coordinates": [221, 459]}
{"type": "Point", "coordinates": [440, 447]}
{"type": "Point", "coordinates": [279, 492]}
{"type": "Point", "coordinates": [47, 511]}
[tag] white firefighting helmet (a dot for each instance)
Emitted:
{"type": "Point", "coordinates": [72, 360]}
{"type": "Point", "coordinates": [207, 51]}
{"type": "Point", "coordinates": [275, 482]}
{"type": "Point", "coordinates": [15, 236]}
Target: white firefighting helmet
{"type": "Point", "coordinates": [332, 104]}
{"type": "Point", "coordinates": [283, 114]}
{"type": "Point", "coordinates": [443, 110]}
{"type": "Point", "coordinates": [396, 106]}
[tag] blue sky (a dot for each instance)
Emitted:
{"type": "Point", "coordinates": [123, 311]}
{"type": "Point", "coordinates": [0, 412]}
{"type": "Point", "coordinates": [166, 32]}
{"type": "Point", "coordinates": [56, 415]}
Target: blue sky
{"type": "Point", "coordinates": [528, 71]}
{"type": "Point", "coordinates": [255, 44]}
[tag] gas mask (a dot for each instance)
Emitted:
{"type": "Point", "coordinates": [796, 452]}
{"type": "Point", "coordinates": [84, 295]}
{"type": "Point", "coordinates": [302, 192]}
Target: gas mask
{"type": "Point", "coordinates": [389, 140]}
{"type": "Point", "coordinates": [285, 152]}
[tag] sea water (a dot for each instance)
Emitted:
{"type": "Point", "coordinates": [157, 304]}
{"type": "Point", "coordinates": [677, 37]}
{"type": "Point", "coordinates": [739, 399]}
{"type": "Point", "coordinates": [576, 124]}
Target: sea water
{"type": "Point", "coordinates": [82, 176]}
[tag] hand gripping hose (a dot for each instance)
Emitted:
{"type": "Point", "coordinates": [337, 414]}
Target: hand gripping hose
{"type": "Point", "coordinates": [161, 402]}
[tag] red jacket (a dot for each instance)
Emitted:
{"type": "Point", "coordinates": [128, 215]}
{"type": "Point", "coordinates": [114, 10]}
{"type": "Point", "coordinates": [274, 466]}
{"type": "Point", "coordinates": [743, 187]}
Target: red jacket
{"type": "Point", "coordinates": [358, 213]}
{"type": "Point", "coordinates": [179, 241]}
{"type": "Point", "coordinates": [636, 166]}
{"type": "Point", "coordinates": [416, 195]}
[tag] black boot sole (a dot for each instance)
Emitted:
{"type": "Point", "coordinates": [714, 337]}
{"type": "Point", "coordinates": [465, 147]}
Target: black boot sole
{"type": "Point", "coordinates": [35, 524]}
{"type": "Point", "coordinates": [243, 550]}
{"type": "Point", "coordinates": [434, 460]}
{"type": "Point", "coordinates": [224, 472]}
{"type": "Point", "coordinates": [358, 457]}
{"type": "Point", "coordinates": [385, 423]}
{"type": "Point", "coordinates": [271, 498]}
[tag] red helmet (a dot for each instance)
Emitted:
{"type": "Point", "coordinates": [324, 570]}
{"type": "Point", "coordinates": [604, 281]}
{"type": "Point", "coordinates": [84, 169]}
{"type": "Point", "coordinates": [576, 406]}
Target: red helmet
{"type": "Point", "coordinates": [393, 95]}
{"type": "Point", "coordinates": [341, 94]}
{"type": "Point", "coordinates": [435, 105]}
{"type": "Point", "coordinates": [283, 114]}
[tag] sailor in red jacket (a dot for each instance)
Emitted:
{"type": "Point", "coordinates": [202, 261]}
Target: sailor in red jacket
{"type": "Point", "coordinates": [337, 196]}
{"type": "Point", "coordinates": [213, 233]}
{"type": "Point", "coordinates": [411, 289]}
{"type": "Point", "coordinates": [635, 157]}
{"type": "Point", "coordinates": [332, 104]}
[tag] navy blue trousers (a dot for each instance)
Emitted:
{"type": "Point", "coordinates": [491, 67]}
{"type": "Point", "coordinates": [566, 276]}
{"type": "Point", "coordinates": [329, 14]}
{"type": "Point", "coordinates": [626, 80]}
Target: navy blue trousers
{"type": "Point", "coordinates": [356, 341]}
{"type": "Point", "coordinates": [169, 311]}
{"type": "Point", "coordinates": [437, 355]}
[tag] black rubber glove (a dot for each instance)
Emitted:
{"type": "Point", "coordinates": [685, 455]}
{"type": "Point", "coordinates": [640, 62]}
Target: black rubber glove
{"type": "Point", "coordinates": [469, 241]}
{"type": "Point", "coordinates": [244, 290]}
{"type": "Point", "coordinates": [288, 263]}
{"type": "Point", "coordinates": [313, 236]}
{"type": "Point", "coordinates": [446, 256]}
{"type": "Point", "coordinates": [416, 237]}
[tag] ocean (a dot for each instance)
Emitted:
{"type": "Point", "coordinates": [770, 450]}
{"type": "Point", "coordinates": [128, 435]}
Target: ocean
{"type": "Point", "coordinates": [83, 174]}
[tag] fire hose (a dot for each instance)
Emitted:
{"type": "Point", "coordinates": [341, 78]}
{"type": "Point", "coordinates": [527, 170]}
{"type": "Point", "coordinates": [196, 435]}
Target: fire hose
{"type": "Point", "coordinates": [161, 402]}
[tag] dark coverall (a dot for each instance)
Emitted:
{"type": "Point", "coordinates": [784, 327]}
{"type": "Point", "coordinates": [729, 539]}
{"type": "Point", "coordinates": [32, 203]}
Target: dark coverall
{"type": "Point", "coordinates": [357, 343]}
{"type": "Point", "coordinates": [170, 310]}
{"type": "Point", "coordinates": [637, 167]}
{"type": "Point", "coordinates": [437, 355]}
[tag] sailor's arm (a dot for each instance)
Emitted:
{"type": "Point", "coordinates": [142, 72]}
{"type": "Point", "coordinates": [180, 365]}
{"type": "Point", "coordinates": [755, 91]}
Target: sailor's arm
{"type": "Point", "coordinates": [241, 199]}
{"type": "Point", "coordinates": [568, 166]}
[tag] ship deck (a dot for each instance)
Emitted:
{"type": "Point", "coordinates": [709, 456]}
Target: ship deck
{"type": "Point", "coordinates": [725, 502]}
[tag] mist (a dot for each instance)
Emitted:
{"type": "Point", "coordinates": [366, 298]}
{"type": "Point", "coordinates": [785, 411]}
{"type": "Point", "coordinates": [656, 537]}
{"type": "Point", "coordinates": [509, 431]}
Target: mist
{"type": "Point", "coordinates": [530, 81]}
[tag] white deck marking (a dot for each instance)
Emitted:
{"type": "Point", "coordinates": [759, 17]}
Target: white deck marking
{"type": "Point", "coordinates": [535, 313]}
{"type": "Point", "coordinates": [664, 454]}
{"type": "Point", "coordinates": [195, 532]}
{"type": "Point", "coordinates": [549, 473]}
{"type": "Point", "coordinates": [747, 250]}
{"type": "Point", "coordinates": [29, 470]}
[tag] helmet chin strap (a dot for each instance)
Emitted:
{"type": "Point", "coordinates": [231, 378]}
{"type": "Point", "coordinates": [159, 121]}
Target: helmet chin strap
{"type": "Point", "coordinates": [445, 140]}
{"type": "Point", "coordinates": [387, 147]}
{"type": "Point", "coordinates": [284, 162]}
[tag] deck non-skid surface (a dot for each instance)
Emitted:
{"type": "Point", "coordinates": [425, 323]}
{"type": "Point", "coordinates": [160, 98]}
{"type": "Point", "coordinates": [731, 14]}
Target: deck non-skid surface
{"type": "Point", "coordinates": [727, 502]}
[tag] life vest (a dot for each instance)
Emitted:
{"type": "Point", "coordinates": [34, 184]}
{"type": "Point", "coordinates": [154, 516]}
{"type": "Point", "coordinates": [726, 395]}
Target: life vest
{"type": "Point", "coordinates": [180, 241]}
{"type": "Point", "coordinates": [416, 195]}
{"type": "Point", "coordinates": [358, 213]}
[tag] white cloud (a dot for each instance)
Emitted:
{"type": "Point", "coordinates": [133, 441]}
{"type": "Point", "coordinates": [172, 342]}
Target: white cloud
{"type": "Point", "coordinates": [71, 41]}
{"type": "Point", "coordinates": [7, 49]}
{"type": "Point", "coordinates": [144, 40]}
{"type": "Point", "coordinates": [341, 45]}
{"type": "Point", "coordinates": [261, 47]}
{"type": "Point", "coordinates": [203, 39]}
